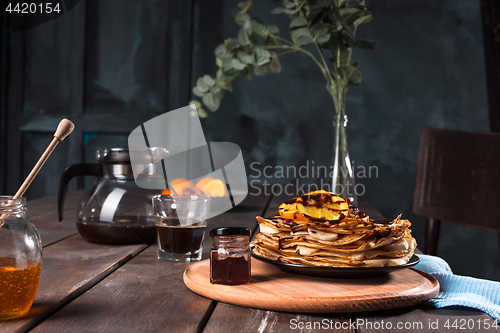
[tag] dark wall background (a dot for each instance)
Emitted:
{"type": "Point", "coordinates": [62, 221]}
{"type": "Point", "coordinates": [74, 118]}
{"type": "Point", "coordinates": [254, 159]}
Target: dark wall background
{"type": "Point", "coordinates": [110, 65]}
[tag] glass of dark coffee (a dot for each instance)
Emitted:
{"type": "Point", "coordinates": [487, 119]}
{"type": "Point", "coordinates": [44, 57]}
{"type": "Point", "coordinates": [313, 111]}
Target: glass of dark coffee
{"type": "Point", "coordinates": [180, 223]}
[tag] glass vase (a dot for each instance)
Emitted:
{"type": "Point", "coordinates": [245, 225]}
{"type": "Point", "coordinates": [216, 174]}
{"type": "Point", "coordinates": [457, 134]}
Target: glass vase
{"type": "Point", "coordinates": [343, 182]}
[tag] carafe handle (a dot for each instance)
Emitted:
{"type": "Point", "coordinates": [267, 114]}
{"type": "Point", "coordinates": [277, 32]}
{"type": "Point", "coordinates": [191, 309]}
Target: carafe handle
{"type": "Point", "coordinates": [80, 169]}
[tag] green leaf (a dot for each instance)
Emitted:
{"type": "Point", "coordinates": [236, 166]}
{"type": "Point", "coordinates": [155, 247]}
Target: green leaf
{"type": "Point", "coordinates": [345, 55]}
{"type": "Point", "coordinates": [261, 70]}
{"type": "Point", "coordinates": [259, 30]}
{"type": "Point", "coordinates": [221, 52]}
{"type": "Point", "coordinates": [332, 44]}
{"type": "Point", "coordinates": [363, 19]}
{"type": "Point", "coordinates": [201, 112]}
{"type": "Point", "coordinates": [353, 75]}
{"type": "Point", "coordinates": [241, 19]}
{"type": "Point", "coordinates": [231, 45]}
{"type": "Point", "coordinates": [194, 104]}
{"type": "Point", "coordinates": [209, 81]}
{"type": "Point", "coordinates": [319, 31]}
{"type": "Point", "coordinates": [291, 11]}
{"type": "Point", "coordinates": [348, 11]}
{"type": "Point", "coordinates": [228, 69]}
{"type": "Point", "coordinates": [218, 62]}
{"type": "Point", "coordinates": [218, 92]}
{"type": "Point", "coordinates": [211, 102]}
{"type": "Point", "coordinates": [348, 36]}
{"type": "Point", "coordinates": [220, 75]}
{"type": "Point", "coordinates": [198, 92]}
{"type": "Point", "coordinates": [201, 85]}
{"type": "Point", "coordinates": [302, 36]}
{"type": "Point", "coordinates": [226, 85]}
{"type": "Point", "coordinates": [248, 27]}
{"type": "Point", "coordinates": [317, 15]}
{"type": "Point", "coordinates": [365, 44]}
{"type": "Point", "coordinates": [245, 7]}
{"type": "Point", "coordinates": [243, 37]}
{"type": "Point", "coordinates": [236, 64]}
{"type": "Point", "coordinates": [298, 22]}
{"type": "Point", "coordinates": [262, 56]}
{"type": "Point", "coordinates": [278, 10]}
{"type": "Point", "coordinates": [323, 39]}
{"type": "Point", "coordinates": [245, 58]}
{"type": "Point", "coordinates": [273, 30]}
{"type": "Point", "coordinates": [288, 4]}
{"type": "Point", "coordinates": [331, 17]}
{"type": "Point", "coordinates": [274, 64]}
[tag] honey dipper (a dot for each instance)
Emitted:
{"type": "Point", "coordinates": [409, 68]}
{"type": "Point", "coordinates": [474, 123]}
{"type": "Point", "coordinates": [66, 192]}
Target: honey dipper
{"type": "Point", "coordinates": [64, 128]}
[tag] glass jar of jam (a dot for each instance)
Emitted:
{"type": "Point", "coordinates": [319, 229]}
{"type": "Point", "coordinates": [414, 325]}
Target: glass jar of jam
{"type": "Point", "coordinates": [230, 255]}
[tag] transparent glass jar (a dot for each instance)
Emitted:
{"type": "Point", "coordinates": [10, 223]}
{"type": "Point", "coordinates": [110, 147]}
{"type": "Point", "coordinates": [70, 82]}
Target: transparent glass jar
{"type": "Point", "coordinates": [230, 256]}
{"type": "Point", "coordinates": [20, 258]}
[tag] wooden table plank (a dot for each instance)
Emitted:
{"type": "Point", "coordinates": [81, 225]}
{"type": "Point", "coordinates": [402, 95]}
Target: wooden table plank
{"type": "Point", "coordinates": [43, 213]}
{"type": "Point", "coordinates": [70, 267]}
{"type": "Point", "coordinates": [232, 318]}
{"type": "Point", "coordinates": [424, 319]}
{"type": "Point", "coordinates": [147, 294]}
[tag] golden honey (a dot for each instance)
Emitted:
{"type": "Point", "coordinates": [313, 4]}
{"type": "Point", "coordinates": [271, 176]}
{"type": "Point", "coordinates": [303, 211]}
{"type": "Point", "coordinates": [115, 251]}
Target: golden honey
{"type": "Point", "coordinates": [18, 285]}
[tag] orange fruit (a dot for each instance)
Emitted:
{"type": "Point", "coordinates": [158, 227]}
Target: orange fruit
{"type": "Point", "coordinates": [322, 205]}
{"type": "Point", "coordinates": [213, 186]}
{"type": "Point", "coordinates": [166, 192]}
{"type": "Point", "coordinates": [289, 211]}
{"type": "Point", "coordinates": [179, 184]}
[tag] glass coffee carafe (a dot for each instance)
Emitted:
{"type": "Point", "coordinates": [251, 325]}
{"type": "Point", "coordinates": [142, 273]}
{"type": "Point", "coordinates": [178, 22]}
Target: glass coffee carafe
{"type": "Point", "coordinates": [20, 258]}
{"type": "Point", "coordinates": [114, 210]}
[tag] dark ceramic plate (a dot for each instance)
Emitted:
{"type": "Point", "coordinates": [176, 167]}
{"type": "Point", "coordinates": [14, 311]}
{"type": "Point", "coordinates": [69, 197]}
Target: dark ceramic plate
{"type": "Point", "coordinates": [338, 272]}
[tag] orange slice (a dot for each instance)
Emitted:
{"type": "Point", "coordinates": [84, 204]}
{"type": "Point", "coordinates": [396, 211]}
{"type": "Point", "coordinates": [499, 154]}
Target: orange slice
{"type": "Point", "coordinates": [289, 211]}
{"type": "Point", "coordinates": [322, 205]}
{"type": "Point", "coordinates": [203, 182]}
{"type": "Point", "coordinates": [179, 184]}
{"type": "Point", "coordinates": [214, 187]}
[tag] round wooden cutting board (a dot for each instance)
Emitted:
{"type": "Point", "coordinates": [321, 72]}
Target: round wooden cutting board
{"type": "Point", "coordinates": [272, 289]}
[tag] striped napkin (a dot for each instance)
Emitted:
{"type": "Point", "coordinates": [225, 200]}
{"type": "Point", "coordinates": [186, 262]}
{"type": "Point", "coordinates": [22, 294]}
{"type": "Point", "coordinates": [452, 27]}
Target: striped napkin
{"type": "Point", "coordinates": [460, 290]}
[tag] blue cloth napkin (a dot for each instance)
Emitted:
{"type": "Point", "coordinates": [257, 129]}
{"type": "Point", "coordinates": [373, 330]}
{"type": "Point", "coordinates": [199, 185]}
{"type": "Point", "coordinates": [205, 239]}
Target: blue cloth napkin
{"type": "Point", "coordinates": [460, 290]}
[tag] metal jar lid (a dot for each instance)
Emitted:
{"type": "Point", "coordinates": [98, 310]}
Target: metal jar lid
{"type": "Point", "coordinates": [229, 231]}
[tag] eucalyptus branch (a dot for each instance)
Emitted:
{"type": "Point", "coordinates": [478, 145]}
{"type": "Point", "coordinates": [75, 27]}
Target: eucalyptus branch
{"type": "Point", "coordinates": [330, 25]}
{"type": "Point", "coordinates": [294, 48]}
{"type": "Point", "coordinates": [326, 70]}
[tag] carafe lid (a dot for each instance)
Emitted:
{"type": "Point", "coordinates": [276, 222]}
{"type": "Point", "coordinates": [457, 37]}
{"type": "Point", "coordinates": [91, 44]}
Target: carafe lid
{"type": "Point", "coordinates": [121, 155]}
{"type": "Point", "coordinates": [113, 155]}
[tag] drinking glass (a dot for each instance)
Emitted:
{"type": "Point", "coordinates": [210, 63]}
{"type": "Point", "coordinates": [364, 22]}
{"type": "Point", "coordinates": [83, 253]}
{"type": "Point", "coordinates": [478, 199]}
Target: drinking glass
{"type": "Point", "coordinates": [180, 223]}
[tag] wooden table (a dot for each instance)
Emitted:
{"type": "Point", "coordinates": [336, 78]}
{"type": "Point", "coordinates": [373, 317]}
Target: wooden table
{"type": "Point", "coordinates": [89, 287]}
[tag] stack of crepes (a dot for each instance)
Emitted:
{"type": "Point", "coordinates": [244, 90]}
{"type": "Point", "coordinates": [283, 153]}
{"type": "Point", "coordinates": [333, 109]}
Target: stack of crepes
{"type": "Point", "coordinates": [321, 229]}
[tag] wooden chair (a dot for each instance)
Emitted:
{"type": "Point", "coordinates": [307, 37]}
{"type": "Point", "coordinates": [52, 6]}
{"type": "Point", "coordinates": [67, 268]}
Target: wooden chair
{"type": "Point", "coordinates": [458, 180]}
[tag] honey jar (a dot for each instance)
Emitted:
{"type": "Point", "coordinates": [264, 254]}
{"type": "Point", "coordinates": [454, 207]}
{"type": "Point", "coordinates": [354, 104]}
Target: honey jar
{"type": "Point", "coordinates": [20, 258]}
{"type": "Point", "coordinates": [230, 255]}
